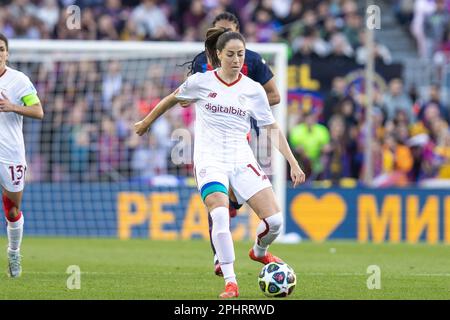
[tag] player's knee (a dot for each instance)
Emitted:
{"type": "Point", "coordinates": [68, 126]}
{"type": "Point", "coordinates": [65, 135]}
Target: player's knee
{"type": "Point", "coordinates": [220, 219]}
{"type": "Point", "coordinates": [215, 200]}
{"type": "Point", "coordinates": [276, 222]}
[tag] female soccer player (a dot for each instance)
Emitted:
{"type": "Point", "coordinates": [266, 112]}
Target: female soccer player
{"type": "Point", "coordinates": [225, 99]}
{"type": "Point", "coordinates": [18, 98]}
{"type": "Point", "coordinates": [256, 69]}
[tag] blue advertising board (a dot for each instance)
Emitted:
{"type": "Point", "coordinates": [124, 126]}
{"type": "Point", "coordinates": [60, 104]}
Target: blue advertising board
{"type": "Point", "coordinates": [136, 210]}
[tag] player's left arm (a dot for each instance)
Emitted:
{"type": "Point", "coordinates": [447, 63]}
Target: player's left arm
{"type": "Point", "coordinates": [264, 117]}
{"type": "Point", "coordinates": [32, 107]}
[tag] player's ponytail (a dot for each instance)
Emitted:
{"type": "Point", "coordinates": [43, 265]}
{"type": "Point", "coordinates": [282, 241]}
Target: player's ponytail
{"type": "Point", "coordinates": [216, 39]}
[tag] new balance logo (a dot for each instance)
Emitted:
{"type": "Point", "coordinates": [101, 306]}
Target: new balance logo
{"type": "Point", "coordinates": [212, 95]}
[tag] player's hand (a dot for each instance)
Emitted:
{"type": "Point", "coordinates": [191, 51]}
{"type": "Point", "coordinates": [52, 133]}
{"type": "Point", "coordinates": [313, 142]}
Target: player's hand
{"type": "Point", "coordinates": [297, 175]}
{"type": "Point", "coordinates": [141, 128]}
{"type": "Point", "coordinates": [5, 104]}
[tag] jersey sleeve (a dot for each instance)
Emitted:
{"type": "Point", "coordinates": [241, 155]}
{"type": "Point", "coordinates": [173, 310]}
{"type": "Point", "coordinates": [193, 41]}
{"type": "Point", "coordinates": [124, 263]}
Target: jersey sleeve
{"type": "Point", "coordinates": [26, 92]}
{"type": "Point", "coordinates": [262, 72]}
{"type": "Point", "coordinates": [189, 90]}
{"type": "Point", "coordinates": [260, 107]}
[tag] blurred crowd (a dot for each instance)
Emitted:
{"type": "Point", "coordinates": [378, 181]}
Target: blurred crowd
{"type": "Point", "coordinates": [429, 23]}
{"type": "Point", "coordinates": [87, 134]}
{"type": "Point", "coordinates": [411, 137]}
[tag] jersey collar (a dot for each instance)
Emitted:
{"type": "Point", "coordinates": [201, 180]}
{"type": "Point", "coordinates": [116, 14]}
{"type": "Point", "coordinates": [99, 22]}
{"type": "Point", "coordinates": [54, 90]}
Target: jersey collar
{"type": "Point", "coordinates": [226, 83]}
{"type": "Point", "coordinates": [4, 71]}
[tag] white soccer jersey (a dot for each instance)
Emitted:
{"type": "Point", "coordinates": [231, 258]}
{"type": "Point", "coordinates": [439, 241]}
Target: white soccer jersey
{"type": "Point", "coordinates": [15, 85]}
{"type": "Point", "coordinates": [223, 114]}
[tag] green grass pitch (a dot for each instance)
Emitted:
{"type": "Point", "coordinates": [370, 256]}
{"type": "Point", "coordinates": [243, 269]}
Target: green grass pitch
{"type": "Point", "coordinates": [145, 269]}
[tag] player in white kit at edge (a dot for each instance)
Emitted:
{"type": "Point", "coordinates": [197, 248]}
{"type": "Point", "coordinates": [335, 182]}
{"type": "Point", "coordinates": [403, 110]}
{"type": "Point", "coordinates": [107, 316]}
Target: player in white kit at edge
{"type": "Point", "coordinates": [18, 98]}
{"type": "Point", "coordinates": [225, 99]}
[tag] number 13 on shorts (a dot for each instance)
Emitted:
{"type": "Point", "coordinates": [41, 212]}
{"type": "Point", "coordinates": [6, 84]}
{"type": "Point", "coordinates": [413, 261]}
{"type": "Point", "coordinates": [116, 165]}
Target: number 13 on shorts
{"type": "Point", "coordinates": [249, 180]}
{"type": "Point", "coordinates": [12, 177]}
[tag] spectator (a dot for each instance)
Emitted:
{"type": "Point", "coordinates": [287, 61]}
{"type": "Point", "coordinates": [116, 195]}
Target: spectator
{"type": "Point", "coordinates": [397, 99]}
{"type": "Point", "coordinates": [152, 21]}
{"type": "Point", "coordinates": [266, 26]}
{"type": "Point", "coordinates": [397, 162]}
{"type": "Point", "coordinates": [333, 98]}
{"type": "Point", "coordinates": [48, 13]}
{"type": "Point", "coordinates": [194, 17]}
{"type": "Point", "coordinates": [434, 27]}
{"type": "Point", "coordinates": [442, 152]}
{"type": "Point", "coordinates": [310, 44]}
{"type": "Point", "coordinates": [111, 84]}
{"type": "Point", "coordinates": [108, 150]}
{"type": "Point", "coordinates": [148, 159]}
{"type": "Point", "coordinates": [353, 25]}
{"type": "Point", "coordinates": [434, 97]}
{"type": "Point", "coordinates": [422, 8]}
{"type": "Point", "coordinates": [381, 52]}
{"type": "Point", "coordinates": [309, 139]}
{"type": "Point", "coordinates": [335, 154]}
{"type": "Point", "coordinates": [106, 29]}
{"type": "Point", "coordinates": [340, 47]}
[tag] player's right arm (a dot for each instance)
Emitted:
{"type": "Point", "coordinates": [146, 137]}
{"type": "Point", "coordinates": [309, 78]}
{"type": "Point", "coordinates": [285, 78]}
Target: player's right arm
{"type": "Point", "coordinates": [187, 91]}
{"type": "Point", "coordinates": [32, 106]}
{"type": "Point", "coordinates": [165, 104]}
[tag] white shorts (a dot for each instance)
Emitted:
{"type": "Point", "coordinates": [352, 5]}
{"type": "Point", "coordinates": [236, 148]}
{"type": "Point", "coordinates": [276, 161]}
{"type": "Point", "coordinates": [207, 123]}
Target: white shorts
{"type": "Point", "coordinates": [245, 180]}
{"type": "Point", "coordinates": [12, 176]}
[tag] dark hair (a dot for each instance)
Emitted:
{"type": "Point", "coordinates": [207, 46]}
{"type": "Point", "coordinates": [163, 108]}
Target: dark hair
{"type": "Point", "coordinates": [5, 40]}
{"type": "Point", "coordinates": [228, 16]}
{"type": "Point", "coordinates": [216, 39]}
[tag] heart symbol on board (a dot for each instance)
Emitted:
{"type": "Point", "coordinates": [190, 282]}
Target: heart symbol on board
{"type": "Point", "coordinates": [318, 218]}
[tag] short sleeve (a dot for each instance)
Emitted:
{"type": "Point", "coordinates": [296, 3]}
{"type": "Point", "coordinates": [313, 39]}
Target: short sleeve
{"type": "Point", "coordinates": [260, 107]}
{"type": "Point", "coordinates": [24, 87]}
{"type": "Point", "coordinates": [262, 72]}
{"type": "Point", "coordinates": [189, 89]}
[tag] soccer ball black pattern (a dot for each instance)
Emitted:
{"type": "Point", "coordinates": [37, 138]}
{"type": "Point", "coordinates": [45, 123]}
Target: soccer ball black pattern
{"type": "Point", "coordinates": [277, 280]}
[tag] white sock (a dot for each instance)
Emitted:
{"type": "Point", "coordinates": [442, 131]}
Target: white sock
{"type": "Point", "coordinates": [266, 232]}
{"type": "Point", "coordinates": [228, 268]}
{"type": "Point", "coordinates": [223, 242]}
{"type": "Point", "coordinates": [15, 233]}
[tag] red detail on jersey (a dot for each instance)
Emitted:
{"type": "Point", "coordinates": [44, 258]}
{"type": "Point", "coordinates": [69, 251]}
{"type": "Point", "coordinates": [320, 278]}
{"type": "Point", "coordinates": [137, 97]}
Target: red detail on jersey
{"type": "Point", "coordinates": [4, 71]}
{"type": "Point", "coordinates": [228, 84]}
{"type": "Point", "coordinates": [249, 137]}
{"type": "Point", "coordinates": [212, 95]}
{"type": "Point", "coordinates": [209, 67]}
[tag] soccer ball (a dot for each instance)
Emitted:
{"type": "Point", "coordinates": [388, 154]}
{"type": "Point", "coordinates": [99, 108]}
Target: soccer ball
{"type": "Point", "coordinates": [277, 280]}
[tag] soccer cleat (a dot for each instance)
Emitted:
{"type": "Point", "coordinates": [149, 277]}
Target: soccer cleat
{"type": "Point", "coordinates": [231, 291]}
{"type": "Point", "coordinates": [14, 266]}
{"type": "Point", "coordinates": [218, 269]}
{"type": "Point", "coordinates": [268, 258]}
